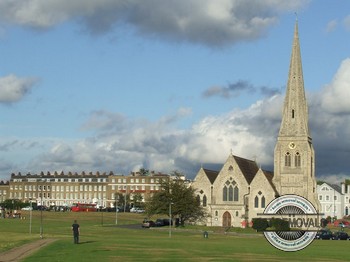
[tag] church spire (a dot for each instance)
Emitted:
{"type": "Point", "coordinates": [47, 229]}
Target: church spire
{"type": "Point", "coordinates": [295, 111]}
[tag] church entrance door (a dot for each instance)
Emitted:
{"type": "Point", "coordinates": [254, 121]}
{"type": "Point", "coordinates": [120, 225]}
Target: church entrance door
{"type": "Point", "coordinates": [226, 219]}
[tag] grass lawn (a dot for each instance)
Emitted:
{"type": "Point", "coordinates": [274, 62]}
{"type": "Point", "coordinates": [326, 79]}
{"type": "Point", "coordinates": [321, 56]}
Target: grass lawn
{"type": "Point", "coordinates": [101, 240]}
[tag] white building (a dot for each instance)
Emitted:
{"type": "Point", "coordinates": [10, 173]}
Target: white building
{"type": "Point", "coordinates": [345, 190]}
{"type": "Point", "coordinates": [331, 200]}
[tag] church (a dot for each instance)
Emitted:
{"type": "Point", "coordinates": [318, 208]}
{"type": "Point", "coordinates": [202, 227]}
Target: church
{"type": "Point", "coordinates": [235, 195]}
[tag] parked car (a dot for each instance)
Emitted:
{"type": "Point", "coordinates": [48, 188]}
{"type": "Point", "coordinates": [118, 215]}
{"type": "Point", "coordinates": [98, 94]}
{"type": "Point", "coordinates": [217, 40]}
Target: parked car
{"type": "Point", "coordinates": [324, 234]}
{"type": "Point", "coordinates": [148, 223]}
{"type": "Point", "coordinates": [340, 236]}
{"type": "Point", "coordinates": [160, 222]}
{"type": "Point", "coordinates": [137, 210]}
{"type": "Point", "coordinates": [27, 208]}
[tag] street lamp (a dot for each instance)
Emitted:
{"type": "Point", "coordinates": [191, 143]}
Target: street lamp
{"type": "Point", "coordinates": [170, 221]}
{"type": "Point", "coordinates": [116, 209]}
{"type": "Point", "coordinates": [41, 211]}
{"type": "Point", "coordinates": [30, 216]}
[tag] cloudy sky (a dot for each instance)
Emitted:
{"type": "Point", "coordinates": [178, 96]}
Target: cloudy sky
{"type": "Point", "coordinates": [167, 85]}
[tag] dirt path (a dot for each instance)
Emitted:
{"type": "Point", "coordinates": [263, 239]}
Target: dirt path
{"type": "Point", "coordinates": [18, 253]}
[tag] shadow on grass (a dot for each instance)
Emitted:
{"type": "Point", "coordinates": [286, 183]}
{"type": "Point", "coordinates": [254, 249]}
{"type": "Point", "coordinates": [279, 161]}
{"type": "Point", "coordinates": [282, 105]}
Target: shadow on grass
{"type": "Point", "coordinates": [86, 242]}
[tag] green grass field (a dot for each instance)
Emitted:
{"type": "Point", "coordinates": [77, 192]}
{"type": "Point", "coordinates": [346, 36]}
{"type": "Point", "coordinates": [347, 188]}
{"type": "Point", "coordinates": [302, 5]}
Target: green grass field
{"type": "Point", "coordinates": [101, 240]}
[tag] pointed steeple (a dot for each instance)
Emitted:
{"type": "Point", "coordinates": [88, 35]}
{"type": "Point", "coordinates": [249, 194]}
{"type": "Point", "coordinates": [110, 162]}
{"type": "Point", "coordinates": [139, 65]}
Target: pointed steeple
{"type": "Point", "coordinates": [294, 158]}
{"type": "Point", "coordinates": [295, 111]}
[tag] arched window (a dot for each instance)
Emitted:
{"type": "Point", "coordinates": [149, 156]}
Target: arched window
{"type": "Point", "coordinates": [237, 213]}
{"type": "Point", "coordinates": [287, 159]}
{"type": "Point", "coordinates": [263, 202]}
{"type": "Point", "coordinates": [297, 159]}
{"type": "Point", "coordinates": [256, 202]}
{"type": "Point", "coordinates": [224, 194]}
{"type": "Point", "coordinates": [346, 211]}
{"type": "Point", "coordinates": [204, 200]}
{"type": "Point", "coordinates": [216, 213]}
{"type": "Point", "coordinates": [198, 198]}
{"type": "Point", "coordinates": [230, 191]}
{"type": "Point", "coordinates": [235, 194]}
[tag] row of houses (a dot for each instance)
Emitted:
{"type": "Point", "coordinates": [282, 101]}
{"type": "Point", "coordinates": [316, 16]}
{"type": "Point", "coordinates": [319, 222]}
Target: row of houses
{"type": "Point", "coordinates": [60, 189]}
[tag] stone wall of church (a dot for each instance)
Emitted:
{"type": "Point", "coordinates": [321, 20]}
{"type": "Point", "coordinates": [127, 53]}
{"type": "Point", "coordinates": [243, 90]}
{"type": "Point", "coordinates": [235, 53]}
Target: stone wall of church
{"type": "Point", "coordinates": [261, 194]}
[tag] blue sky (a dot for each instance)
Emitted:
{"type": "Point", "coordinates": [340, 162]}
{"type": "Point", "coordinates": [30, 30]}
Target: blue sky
{"type": "Point", "coordinates": [113, 85]}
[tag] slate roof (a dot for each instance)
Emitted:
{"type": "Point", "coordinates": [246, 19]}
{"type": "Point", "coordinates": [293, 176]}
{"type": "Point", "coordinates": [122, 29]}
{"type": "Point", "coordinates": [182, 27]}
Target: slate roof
{"type": "Point", "coordinates": [211, 174]}
{"type": "Point", "coordinates": [269, 176]}
{"type": "Point", "coordinates": [248, 167]}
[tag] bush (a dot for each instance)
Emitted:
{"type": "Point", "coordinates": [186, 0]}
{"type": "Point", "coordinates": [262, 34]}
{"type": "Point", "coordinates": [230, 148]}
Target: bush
{"type": "Point", "coordinates": [279, 224]}
{"type": "Point", "coordinates": [260, 224]}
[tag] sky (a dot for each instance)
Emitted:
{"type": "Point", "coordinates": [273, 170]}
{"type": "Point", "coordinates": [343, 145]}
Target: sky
{"type": "Point", "coordinates": [167, 85]}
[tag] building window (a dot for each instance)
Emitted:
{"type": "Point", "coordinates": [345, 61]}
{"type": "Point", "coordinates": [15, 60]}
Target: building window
{"type": "Point", "coordinates": [198, 198]}
{"type": "Point", "coordinates": [230, 191]}
{"type": "Point", "coordinates": [327, 198]}
{"type": "Point", "coordinates": [320, 197]}
{"type": "Point", "coordinates": [204, 200]}
{"type": "Point", "coordinates": [256, 202]}
{"type": "Point", "coordinates": [263, 202]}
{"type": "Point", "coordinates": [287, 159]}
{"type": "Point", "coordinates": [224, 194]}
{"type": "Point", "coordinates": [346, 211]}
{"type": "Point", "coordinates": [235, 194]}
{"type": "Point", "coordinates": [297, 159]}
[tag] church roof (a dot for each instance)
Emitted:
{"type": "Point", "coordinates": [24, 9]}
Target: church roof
{"type": "Point", "coordinates": [211, 174]}
{"type": "Point", "coordinates": [269, 176]}
{"type": "Point", "coordinates": [248, 167]}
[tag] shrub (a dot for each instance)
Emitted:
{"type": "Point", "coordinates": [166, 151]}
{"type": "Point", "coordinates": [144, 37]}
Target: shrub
{"type": "Point", "coordinates": [279, 224]}
{"type": "Point", "coordinates": [260, 224]}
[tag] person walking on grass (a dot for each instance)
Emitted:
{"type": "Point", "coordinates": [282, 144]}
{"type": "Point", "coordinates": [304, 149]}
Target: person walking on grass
{"type": "Point", "coordinates": [76, 232]}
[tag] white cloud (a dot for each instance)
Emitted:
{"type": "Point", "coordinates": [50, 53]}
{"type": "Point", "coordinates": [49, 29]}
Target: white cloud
{"type": "Point", "coordinates": [331, 26]}
{"type": "Point", "coordinates": [209, 22]}
{"type": "Point", "coordinates": [346, 22]}
{"type": "Point", "coordinates": [13, 88]}
{"type": "Point", "coordinates": [336, 96]}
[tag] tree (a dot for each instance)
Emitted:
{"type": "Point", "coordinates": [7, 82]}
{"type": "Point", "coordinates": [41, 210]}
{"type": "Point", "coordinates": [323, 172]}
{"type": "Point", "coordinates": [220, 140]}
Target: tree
{"type": "Point", "coordinates": [143, 171]}
{"type": "Point", "coordinates": [137, 200]}
{"type": "Point", "coordinates": [123, 201]}
{"type": "Point", "coordinates": [183, 201]}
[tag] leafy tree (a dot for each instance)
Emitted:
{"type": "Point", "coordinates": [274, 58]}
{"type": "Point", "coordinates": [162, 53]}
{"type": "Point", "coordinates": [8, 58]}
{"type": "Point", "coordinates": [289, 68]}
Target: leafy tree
{"type": "Point", "coordinates": [137, 200]}
{"type": "Point", "coordinates": [13, 204]}
{"type": "Point", "coordinates": [123, 201]}
{"type": "Point", "coordinates": [184, 204]}
{"type": "Point", "coordinates": [143, 171]}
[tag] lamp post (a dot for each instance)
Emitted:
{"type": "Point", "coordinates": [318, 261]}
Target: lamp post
{"type": "Point", "coordinates": [170, 221]}
{"type": "Point", "coordinates": [333, 204]}
{"type": "Point", "coordinates": [30, 216]}
{"type": "Point", "coordinates": [41, 212]}
{"type": "Point", "coordinates": [116, 209]}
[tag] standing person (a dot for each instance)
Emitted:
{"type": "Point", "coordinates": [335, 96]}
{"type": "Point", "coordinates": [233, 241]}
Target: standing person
{"type": "Point", "coordinates": [76, 232]}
